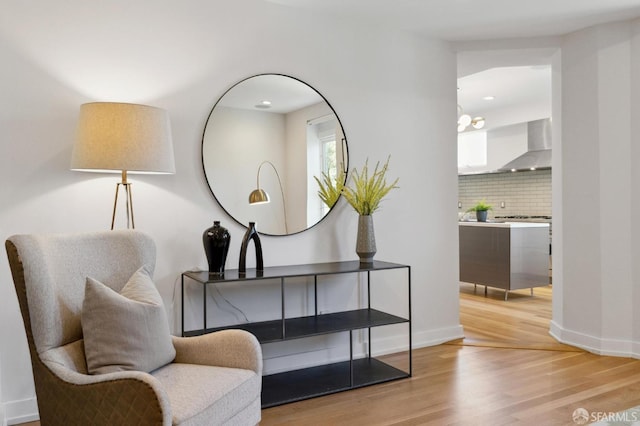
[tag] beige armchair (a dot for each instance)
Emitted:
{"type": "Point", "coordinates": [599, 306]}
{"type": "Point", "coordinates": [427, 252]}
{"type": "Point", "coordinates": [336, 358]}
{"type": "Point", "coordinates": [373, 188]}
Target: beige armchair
{"type": "Point", "coordinates": [214, 379]}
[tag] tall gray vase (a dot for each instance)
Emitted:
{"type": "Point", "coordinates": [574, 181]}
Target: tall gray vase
{"type": "Point", "coordinates": [366, 241]}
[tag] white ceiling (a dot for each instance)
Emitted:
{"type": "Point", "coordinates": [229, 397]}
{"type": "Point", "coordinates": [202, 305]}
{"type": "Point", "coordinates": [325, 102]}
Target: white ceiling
{"type": "Point", "coordinates": [285, 94]}
{"type": "Point", "coordinates": [460, 20]}
{"type": "Point", "coordinates": [521, 93]}
{"type": "Point", "coordinates": [519, 80]}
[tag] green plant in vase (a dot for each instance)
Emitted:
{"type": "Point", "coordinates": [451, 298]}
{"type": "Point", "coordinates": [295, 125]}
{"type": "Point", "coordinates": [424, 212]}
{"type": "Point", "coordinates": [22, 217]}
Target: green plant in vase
{"type": "Point", "coordinates": [331, 188]}
{"type": "Point", "coordinates": [365, 194]}
{"type": "Point", "coordinates": [481, 208]}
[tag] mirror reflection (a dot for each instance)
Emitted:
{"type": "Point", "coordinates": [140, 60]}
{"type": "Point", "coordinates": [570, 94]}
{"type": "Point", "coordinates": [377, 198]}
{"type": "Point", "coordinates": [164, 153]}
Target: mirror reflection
{"type": "Point", "coordinates": [264, 141]}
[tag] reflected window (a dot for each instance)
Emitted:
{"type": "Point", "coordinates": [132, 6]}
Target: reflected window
{"type": "Point", "coordinates": [329, 162]}
{"type": "Point", "coordinates": [321, 158]}
{"type": "Point", "coordinates": [472, 149]}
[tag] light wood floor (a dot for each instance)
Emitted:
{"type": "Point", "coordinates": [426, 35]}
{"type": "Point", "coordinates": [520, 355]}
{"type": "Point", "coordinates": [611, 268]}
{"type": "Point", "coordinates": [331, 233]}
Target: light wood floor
{"type": "Point", "coordinates": [506, 371]}
{"type": "Point", "coordinates": [522, 322]}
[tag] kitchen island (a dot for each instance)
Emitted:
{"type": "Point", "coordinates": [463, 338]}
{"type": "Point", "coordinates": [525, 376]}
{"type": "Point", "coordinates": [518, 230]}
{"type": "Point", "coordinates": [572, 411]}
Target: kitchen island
{"type": "Point", "coordinates": [509, 255]}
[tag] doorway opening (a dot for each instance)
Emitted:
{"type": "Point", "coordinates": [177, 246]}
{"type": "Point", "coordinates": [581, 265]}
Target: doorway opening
{"type": "Point", "coordinates": [506, 91]}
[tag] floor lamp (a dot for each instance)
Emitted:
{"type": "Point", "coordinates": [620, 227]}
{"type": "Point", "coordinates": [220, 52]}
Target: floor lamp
{"type": "Point", "coordinates": [124, 138]}
{"type": "Point", "coordinates": [260, 196]}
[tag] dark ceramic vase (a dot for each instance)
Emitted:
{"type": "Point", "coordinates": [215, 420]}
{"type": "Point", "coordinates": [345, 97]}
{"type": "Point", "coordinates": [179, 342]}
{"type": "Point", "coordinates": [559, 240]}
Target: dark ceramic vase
{"type": "Point", "coordinates": [481, 215]}
{"type": "Point", "coordinates": [251, 234]}
{"type": "Point", "coordinates": [216, 242]}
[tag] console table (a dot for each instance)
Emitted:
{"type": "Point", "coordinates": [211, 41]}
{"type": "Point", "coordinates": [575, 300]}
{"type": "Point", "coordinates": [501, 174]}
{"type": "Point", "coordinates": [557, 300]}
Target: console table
{"type": "Point", "coordinates": [295, 385]}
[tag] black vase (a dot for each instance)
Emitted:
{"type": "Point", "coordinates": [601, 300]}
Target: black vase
{"type": "Point", "coordinates": [216, 242]}
{"type": "Point", "coordinates": [251, 234]}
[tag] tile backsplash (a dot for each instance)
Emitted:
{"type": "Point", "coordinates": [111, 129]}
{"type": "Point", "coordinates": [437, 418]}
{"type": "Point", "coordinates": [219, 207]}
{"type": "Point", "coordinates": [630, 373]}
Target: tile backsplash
{"type": "Point", "coordinates": [523, 193]}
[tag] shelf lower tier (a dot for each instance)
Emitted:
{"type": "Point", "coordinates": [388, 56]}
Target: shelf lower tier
{"type": "Point", "coordinates": [296, 385]}
{"type": "Point", "coordinates": [296, 328]}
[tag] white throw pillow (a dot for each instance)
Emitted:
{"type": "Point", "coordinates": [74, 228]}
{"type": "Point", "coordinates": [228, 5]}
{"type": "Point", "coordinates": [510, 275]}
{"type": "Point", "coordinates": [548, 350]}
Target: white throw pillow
{"type": "Point", "coordinates": [126, 330]}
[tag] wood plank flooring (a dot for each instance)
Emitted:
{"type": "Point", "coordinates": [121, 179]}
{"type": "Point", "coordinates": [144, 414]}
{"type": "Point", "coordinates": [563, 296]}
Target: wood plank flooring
{"type": "Point", "coordinates": [522, 322]}
{"type": "Point", "coordinates": [506, 371]}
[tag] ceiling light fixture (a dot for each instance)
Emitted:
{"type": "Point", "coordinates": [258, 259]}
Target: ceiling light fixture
{"type": "Point", "coordinates": [488, 98]}
{"type": "Point", "coordinates": [263, 104]}
{"type": "Point", "coordinates": [478, 123]}
{"type": "Point", "coordinates": [464, 120]}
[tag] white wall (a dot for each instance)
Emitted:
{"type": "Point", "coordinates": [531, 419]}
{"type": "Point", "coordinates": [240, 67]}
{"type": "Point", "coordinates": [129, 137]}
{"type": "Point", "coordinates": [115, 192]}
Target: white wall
{"type": "Point", "coordinates": [635, 177]}
{"type": "Point", "coordinates": [394, 93]}
{"type": "Point", "coordinates": [236, 142]}
{"type": "Point", "coordinates": [3, 419]}
{"type": "Point", "coordinates": [599, 277]}
{"type": "Point", "coordinates": [500, 145]}
{"type": "Point", "coordinates": [505, 144]}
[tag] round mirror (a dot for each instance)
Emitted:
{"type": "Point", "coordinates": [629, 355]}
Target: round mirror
{"type": "Point", "coordinates": [263, 143]}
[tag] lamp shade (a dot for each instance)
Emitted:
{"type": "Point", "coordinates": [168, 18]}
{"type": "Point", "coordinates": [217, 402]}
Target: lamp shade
{"type": "Point", "coordinates": [114, 137]}
{"type": "Point", "coordinates": [259, 196]}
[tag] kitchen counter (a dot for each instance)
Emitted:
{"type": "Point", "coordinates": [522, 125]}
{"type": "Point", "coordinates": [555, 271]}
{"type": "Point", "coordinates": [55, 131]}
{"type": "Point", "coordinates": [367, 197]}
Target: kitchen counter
{"type": "Point", "coordinates": [507, 224]}
{"type": "Point", "coordinates": [505, 255]}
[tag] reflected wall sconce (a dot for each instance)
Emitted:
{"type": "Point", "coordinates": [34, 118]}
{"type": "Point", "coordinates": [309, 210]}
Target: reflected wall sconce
{"type": "Point", "coordinates": [125, 138]}
{"type": "Point", "coordinates": [260, 196]}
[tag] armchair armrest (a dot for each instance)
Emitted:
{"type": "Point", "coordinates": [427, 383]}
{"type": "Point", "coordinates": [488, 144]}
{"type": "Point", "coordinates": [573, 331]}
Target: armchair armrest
{"type": "Point", "coordinates": [226, 348]}
{"type": "Point", "coordinates": [124, 397]}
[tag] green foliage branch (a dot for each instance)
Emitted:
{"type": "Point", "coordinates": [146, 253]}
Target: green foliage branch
{"type": "Point", "coordinates": [331, 188]}
{"type": "Point", "coordinates": [368, 190]}
{"type": "Point", "coordinates": [481, 206]}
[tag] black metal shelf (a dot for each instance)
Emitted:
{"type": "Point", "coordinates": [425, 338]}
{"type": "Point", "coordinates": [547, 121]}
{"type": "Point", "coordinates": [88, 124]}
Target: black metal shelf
{"type": "Point", "coordinates": [296, 385]}
{"type": "Point", "coordinates": [308, 270]}
{"type": "Point", "coordinates": [296, 328]}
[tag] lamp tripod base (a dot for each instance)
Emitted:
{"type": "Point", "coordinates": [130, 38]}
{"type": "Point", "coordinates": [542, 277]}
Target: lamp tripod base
{"type": "Point", "coordinates": [128, 201]}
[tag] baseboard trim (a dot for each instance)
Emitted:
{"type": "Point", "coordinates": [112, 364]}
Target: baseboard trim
{"type": "Point", "coordinates": [438, 336]}
{"type": "Point", "coordinates": [21, 411]}
{"type": "Point", "coordinates": [598, 346]}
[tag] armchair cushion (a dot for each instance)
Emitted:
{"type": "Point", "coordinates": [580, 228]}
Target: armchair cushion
{"type": "Point", "coordinates": [194, 401]}
{"type": "Point", "coordinates": [125, 331]}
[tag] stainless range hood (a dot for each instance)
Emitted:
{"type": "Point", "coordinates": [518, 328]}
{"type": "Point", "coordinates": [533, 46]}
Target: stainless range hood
{"type": "Point", "coordinates": [538, 155]}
